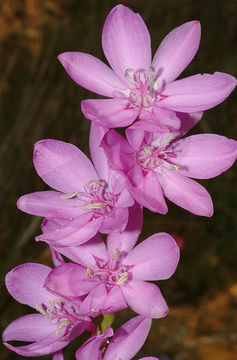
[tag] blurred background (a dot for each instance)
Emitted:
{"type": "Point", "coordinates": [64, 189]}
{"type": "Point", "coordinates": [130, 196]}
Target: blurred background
{"type": "Point", "coordinates": [38, 100]}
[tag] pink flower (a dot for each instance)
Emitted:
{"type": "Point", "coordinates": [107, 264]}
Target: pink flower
{"type": "Point", "coordinates": [116, 277]}
{"type": "Point", "coordinates": [139, 87]}
{"type": "Point", "coordinates": [88, 199]}
{"type": "Point", "coordinates": [125, 343]}
{"type": "Point", "coordinates": [157, 164]}
{"type": "Point", "coordinates": [57, 323]}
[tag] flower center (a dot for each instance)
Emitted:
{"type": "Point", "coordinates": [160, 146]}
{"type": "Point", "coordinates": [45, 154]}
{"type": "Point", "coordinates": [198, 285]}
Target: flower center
{"type": "Point", "coordinates": [144, 92]}
{"type": "Point", "coordinates": [112, 272]}
{"type": "Point", "coordinates": [66, 315]}
{"type": "Point", "coordinates": [95, 198]}
{"type": "Point", "coordinates": [156, 154]}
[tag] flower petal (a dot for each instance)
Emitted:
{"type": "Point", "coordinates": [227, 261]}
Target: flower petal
{"type": "Point", "coordinates": [59, 355]}
{"type": "Point", "coordinates": [155, 258]}
{"type": "Point", "coordinates": [118, 151]}
{"type": "Point", "coordinates": [50, 204]}
{"type": "Point", "coordinates": [62, 165]}
{"type": "Point", "coordinates": [204, 156]}
{"type": "Point", "coordinates": [147, 191]}
{"type": "Point", "coordinates": [126, 41]}
{"type": "Point", "coordinates": [97, 153]}
{"type": "Point", "coordinates": [128, 339]}
{"type": "Point", "coordinates": [145, 299]}
{"type": "Point", "coordinates": [32, 327]}
{"type": "Point", "coordinates": [86, 253]}
{"type": "Point", "coordinates": [186, 193]}
{"type": "Point", "coordinates": [109, 113]}
{"type": "Point", "coordinates": [25, 283]}
{"type": "Point", "coordinates": [45, 346]}
{"type": "Point", "coordinates": [198, 92]}
{"type": "Point", "coordinates": [176, 51]}
{"type": "Point", "coordinates": [125, 240]}
{"type": "Point", "coordinates": [116, 221]}
{"type": "Point", "coordinates": [74, 233]}
{"type": "Point", "coordinates": [56, 257]}
{"type": "Point", "coordinates": [91, 349]}
{"type": "Point", "coordinates": [102, 300]}
{"type": "Point", "coordinates": [162, 120]}
{"type": "Point", "coordinates": [187, 122]}
{"type": "Point", "coordinates": [69, 280]}
{"type": "Point", "coordinates": [90, 73]}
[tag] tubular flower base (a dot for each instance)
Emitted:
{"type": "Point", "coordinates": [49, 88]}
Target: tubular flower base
{"type": "Point", "coordinates": [140, 87]}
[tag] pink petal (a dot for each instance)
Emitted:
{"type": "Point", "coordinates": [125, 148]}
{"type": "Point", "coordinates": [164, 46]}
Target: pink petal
{"type": "Point", "coordinates": [176, 51]}
{"type": "Point", "coordinates": [90, 73]}
{"type": "Point", "coordinates": [74, 233]}
{"type": "Point", "coordinates": [118, 151]}
{"type": "Point", "coordinates": [62, 165]}
{"type": "Point", "coordinates": [155, 258]}
{"type": "Point", "coordinates": [124, 199]}
{"type": "Point", "coordinates": [128, 339]}
{"type": "Point", "coordinates": [50, 204]}
{"type": "Point", "coordinates": [32, 327]}
{"type": "Point", "coordinates": [91, 349]}
{"type": "Point", "coordinates": [186, 193]}
{"type": "Point", "coordinates": [56, 257]}
{"type": "Point", "coordinates": [116, 221]}
{"type": "Point", "coordinates": [126, 41]}
{"type": "Point", "coordinates": [59, 355]}
{"type": "Point", "coordinates": [45, 346]}
{"type": "Point", "coordinates": [135, 135]}
{"type": "Point", "coordinates": [145, 299]}
{"type": "Point", "coordinates": [69, 280]}
{"type": "Point", "coordinates": [125, 240]}
{"type": "Point", "coordinates": [25, 283]}
{"type": "Point", "coordinates": [110, 113]}
{"type": "Point", "coordinates": [147, 190]}
{"type": "Point", "coordinates": [114, 301]}
{"type": "Point", "coordinates": [188, 121]}
{"type": "Point", "coordinates": [167, 120]}
{"type": "Point", "coordinates": [198, 92]}
{"type": "Point", "coordinates": [97, 153]}
{"type": "Point", "coordinates": [102, 300]}
{"type": "Point", "coordinates": [204, 156]}
{"type": "Point", "coordinates": [86, 253]}
{"type": "Point", "coordinates": [141, 126]}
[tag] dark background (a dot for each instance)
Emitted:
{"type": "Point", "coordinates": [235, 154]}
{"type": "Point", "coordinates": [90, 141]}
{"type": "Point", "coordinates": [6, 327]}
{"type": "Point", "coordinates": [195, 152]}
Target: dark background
{"type": "Point", "coordinates": [38, 100]}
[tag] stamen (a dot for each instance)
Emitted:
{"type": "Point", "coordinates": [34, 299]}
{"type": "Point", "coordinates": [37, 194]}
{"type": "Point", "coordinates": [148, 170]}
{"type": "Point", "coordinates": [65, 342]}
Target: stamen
{"type": "Point", "coordinates": [147, 150]}
{"type": "Point", "coordinates": [94, 206]}
{"type": "Point", "coordinates": [69, 196]}
{"type": "Point", "coordinates": [97, 182]}
{"type": "Point", "coordinates": [40, 310]}
{"type": "Point", "coordinates": [171, 166]}
{"type": "Point", "coordinates": [60, 325]}
{"type": "Point", "coordinates": [88, 272]}
{"type": "Point", "coordinates": [116, 254]}
{"type": "Point", "coordinates": [169, 139]}
{"type": "Point", "coordinates": [122, 279]}
{"type": "Point", "coordinates": [127, 75]}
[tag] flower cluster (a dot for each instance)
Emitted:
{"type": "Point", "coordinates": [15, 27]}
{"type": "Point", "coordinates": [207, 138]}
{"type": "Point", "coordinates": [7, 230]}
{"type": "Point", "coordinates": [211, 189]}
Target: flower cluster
{"type": "Point", "coordinates": [93, 277]}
